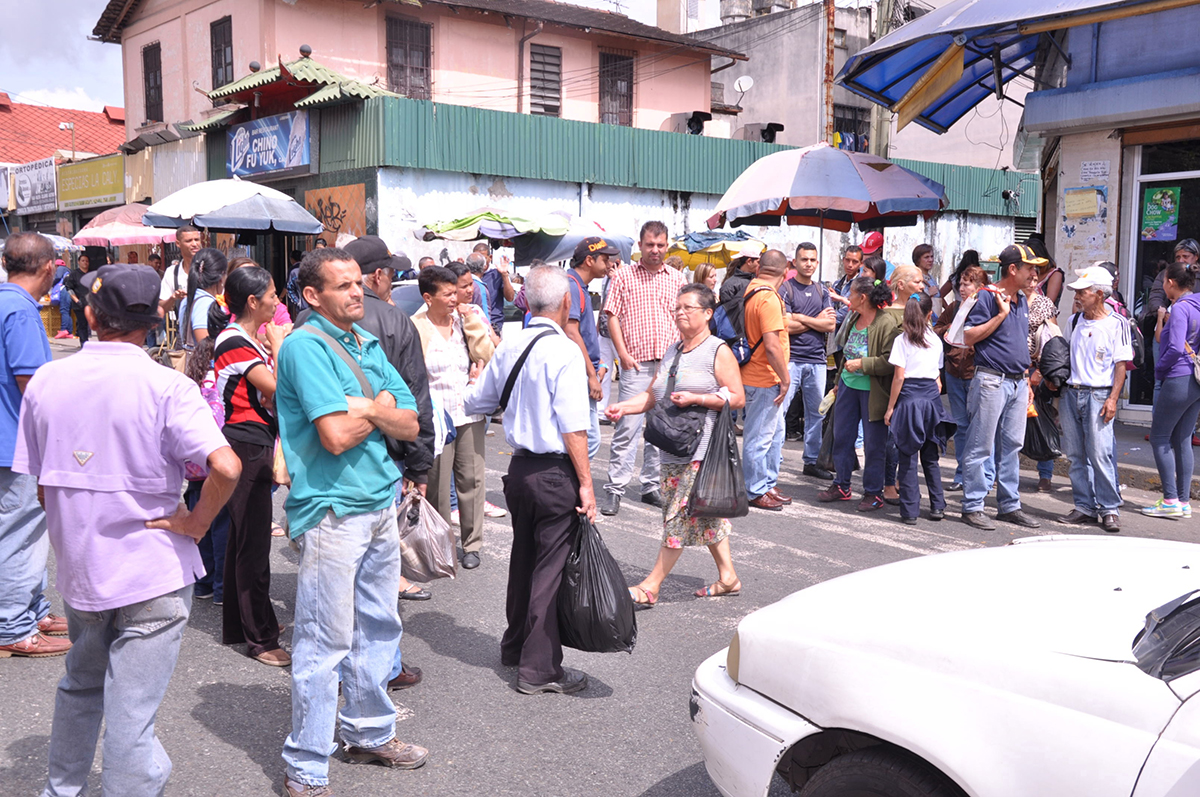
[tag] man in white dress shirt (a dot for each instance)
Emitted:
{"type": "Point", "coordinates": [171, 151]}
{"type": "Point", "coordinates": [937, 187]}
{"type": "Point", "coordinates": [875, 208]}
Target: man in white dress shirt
{"type": "Point", "coordinates": [537, 377]}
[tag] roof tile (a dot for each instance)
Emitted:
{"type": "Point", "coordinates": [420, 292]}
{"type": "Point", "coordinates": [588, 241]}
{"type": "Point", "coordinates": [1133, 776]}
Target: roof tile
{"type": "Point", "coordinates": [30, 132]}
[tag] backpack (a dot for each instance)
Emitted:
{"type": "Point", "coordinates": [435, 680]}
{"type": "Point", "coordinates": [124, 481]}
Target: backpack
{"type": "Point", "coordinates": [728, 324]}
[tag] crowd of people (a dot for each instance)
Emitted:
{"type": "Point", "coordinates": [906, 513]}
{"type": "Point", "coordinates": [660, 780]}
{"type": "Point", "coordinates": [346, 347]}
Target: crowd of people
{"type": "Point", "coordinates": [333, 390]}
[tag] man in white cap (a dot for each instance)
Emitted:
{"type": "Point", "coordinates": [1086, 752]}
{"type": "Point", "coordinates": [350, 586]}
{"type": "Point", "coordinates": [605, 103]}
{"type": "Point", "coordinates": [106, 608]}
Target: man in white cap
{"type": "Point", "coordinates": [1100, 347]}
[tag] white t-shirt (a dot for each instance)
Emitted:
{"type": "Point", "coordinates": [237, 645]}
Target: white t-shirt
{"type": "Point", "coordinates": [1096, 348]}
{"type": "Point", "coordinates": [918, 363]}
{"type": "Point", "coordinates": [169, 284]}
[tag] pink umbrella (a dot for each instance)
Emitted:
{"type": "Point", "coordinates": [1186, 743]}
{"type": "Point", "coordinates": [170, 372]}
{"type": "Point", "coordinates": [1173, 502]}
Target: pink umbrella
{"type": "Point", "coordinates": [121, 226]}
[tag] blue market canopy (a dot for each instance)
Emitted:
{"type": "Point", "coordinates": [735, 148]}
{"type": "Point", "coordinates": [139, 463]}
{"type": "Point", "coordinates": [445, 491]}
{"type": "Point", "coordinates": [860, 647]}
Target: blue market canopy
{"type": "Point", "coordinates": [937, 68]}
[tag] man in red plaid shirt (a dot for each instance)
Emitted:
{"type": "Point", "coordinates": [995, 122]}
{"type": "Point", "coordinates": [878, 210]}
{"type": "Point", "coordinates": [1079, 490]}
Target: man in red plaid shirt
{"type": "Point", "coordinates": [641, 321]}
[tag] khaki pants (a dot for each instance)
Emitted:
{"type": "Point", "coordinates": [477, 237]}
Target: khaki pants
{"type": "Point", "coordinates": [464, 459]}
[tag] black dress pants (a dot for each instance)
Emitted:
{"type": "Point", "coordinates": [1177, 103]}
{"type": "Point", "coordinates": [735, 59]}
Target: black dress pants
{"type": "Point", "coordinates": [248, 615]}
{"type": "Point", "coordinates": [542, 495]}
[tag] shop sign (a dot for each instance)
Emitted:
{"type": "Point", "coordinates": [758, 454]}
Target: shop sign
{"type": "Point", "coordinates": [268, 145]}
{"type": "Point", "coordinates": [35, 187]}
{"type": "Point", "coordinates": [1160, 214]}
{"type": "Point", "coordinates": [92, 183]}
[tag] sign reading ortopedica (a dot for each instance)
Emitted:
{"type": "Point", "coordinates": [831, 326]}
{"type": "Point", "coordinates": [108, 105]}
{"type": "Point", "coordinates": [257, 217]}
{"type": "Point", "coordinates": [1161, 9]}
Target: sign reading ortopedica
{"type": "Point", "coordinates": [92, 183]}
{"type": "Point", "coordinates": [268, 145]}
{"type": "Point", "coordinates": [35, 187]}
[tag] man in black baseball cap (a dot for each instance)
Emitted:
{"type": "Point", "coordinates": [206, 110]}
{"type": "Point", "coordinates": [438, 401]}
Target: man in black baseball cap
{"type": "Point", "coordinates": [123, 297]}
{"type": "Point", "coordinates": [372, 254]}
{"type": "Point", "coordinates": [589, 263]}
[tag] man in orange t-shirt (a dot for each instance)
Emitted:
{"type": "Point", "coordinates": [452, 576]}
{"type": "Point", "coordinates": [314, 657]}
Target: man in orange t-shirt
{"type": "Point", "coordinates": [766, 380]}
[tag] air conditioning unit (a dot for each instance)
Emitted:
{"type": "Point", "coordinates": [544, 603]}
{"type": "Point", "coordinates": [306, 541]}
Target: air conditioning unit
{"type": "Point", "coordinates": [764, 131]}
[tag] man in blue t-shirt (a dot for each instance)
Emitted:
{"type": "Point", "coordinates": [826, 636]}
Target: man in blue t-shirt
{"type": "Point", "coordinates": [26, 626]}
{"type": "Point", "coordinates": [589, 263]}
{"type": "Point", "coordinates": [499, 288]}
{"type": "Point", "coordinates": [810, 317]}
{"type": "Point", "coordinates": [998, 397]}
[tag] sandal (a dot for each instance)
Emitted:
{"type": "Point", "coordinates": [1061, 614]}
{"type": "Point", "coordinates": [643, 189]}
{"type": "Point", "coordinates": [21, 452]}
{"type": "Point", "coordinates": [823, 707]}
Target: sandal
{"type": "Point", "coordinates": [648, 598]}
{"type": "Point", "coordinates": [720, 590]}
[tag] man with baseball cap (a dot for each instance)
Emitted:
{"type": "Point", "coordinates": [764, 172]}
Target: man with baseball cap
{"type": "Point", "coordinates": [873, 245]}
{"type": "Point", "coordinates": [1100, 347]}
{"type": "Point", "coordinates": [589, 263]}
{"type": "Point", "coordinates": [998, 327]}
{"type": "Point", "coordinates": [125, 545]}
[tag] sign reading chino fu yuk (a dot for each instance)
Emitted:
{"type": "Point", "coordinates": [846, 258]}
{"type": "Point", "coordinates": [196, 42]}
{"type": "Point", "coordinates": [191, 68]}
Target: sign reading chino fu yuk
{"type": "Point", "coordinates": [268, 145]}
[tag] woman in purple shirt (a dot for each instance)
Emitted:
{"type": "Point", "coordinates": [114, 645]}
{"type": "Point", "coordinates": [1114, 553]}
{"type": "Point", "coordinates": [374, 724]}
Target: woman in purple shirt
{"type": "Point", "coordinates": [1178, 402]}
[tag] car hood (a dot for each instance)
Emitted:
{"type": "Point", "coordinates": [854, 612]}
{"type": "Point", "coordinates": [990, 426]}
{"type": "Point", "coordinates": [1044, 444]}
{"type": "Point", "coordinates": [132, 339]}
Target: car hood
{"type": "Point", "coordinates": [993, 611]}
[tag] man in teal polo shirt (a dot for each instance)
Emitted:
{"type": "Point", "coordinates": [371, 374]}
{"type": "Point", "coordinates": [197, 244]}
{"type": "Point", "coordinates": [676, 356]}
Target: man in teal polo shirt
{"type": "Point", "coordinates": [341, 512]}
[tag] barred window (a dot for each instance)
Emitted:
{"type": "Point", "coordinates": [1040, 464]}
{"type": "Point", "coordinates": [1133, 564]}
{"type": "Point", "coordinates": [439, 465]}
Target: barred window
{"type": "Point", "coordinates": [409, 57]}
{"type": "Point", "coordinates": [152, 81]}
{"type": "Point", "coordinates": [616, 89]}
{"type": "Point", "coordinates": [221, 35]}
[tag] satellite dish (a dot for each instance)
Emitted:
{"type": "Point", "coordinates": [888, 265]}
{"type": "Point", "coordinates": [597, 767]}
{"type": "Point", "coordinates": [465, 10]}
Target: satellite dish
{"type": "Point", "coordinates": [743, 84]}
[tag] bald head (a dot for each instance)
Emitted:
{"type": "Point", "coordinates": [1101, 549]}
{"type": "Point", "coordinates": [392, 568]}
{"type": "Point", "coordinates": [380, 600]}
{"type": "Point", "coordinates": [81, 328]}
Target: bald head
{"type": "Point", "coordinates": [773, 263]}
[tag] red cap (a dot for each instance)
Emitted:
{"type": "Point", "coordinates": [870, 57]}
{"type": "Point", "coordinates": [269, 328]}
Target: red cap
{"type": "Point", "coordinates": [872, 243]}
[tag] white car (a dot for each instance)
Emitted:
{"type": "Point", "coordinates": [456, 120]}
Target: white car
{"type": "Point", "coordinates": [1056, 666]}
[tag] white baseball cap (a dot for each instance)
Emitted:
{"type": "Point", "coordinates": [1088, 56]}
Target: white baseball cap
{"type": "Point", "coordinates": [1092, 277]}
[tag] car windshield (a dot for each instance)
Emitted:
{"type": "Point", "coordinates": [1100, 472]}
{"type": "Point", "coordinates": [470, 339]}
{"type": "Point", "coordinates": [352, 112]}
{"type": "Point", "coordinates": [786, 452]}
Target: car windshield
{"type": "Point", "coordinates": [1169, 645]}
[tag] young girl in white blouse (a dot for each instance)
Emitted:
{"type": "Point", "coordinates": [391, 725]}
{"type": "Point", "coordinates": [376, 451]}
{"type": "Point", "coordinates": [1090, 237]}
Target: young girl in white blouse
{"type": "Point", "coordinates": [915, 415]}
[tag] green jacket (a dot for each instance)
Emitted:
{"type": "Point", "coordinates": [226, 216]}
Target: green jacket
{"type": "Point", "coordinates": [881, 334]}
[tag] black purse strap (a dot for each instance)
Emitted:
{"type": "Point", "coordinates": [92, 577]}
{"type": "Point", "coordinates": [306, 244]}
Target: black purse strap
{"type": "Point", "coordinates": [673, 369]}
{"type": "Point", "coordinates": [511, 382]}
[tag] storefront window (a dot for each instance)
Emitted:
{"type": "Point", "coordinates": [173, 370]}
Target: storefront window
{"type": "Point", "coordinates": [1166, 211]}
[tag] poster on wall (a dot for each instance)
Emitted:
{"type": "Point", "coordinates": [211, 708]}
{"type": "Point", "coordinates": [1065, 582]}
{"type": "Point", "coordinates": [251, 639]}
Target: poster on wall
{"type": "Point", "coordinates": [1160, 214]}
{"type": "Point", "coordinates": [35, 187]}
{"type": "Point", "coordinates": [270, 144]}
{"type": "Point", "coordinates": [341, 208]}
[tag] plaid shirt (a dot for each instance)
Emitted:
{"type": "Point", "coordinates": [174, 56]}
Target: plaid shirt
{"type": "Point", "coordinates": [643, 302]}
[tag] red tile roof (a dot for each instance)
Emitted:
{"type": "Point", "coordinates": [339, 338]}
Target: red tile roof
{"type": "Point", "coordinates": [30, 132]}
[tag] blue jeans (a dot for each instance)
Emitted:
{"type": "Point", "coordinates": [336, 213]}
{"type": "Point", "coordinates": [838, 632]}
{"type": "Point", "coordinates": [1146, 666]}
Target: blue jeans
{"type": "Point", "coordinates": [64, 310]}
{"type": "Point", "coordinates": [593, 430]}
{"type": "Point", "coordinates": [346, 618]}
{"type": "Point", "coordinates": [1175, 411]}
{"type": "Point", "coordinates": [117, 670]}
{"type": "Point", "coordinates": [762, 439]}
{"type": "Point", "coordinates": [809, 380]}
{"type": "Point", "coordinates": [212, 547]}
{"type": "Point", "coordinates": [851, 410]}
{"type": "Point", "coordinates": [1088, 444]}
{"type": "Point", "coordinates": [24, 548]}
{"type": "Point", "coordinates": [996, 409]}
{"type": "Point", "coordinates": [1045, 469]}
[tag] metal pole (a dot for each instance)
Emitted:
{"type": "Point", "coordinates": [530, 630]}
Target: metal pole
{"type": "Point", "coordinates": [829, 9]}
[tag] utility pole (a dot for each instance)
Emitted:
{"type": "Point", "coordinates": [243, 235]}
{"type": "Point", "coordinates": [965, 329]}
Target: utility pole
{"type": "Point", "coordinates": [828, 131]}
{"type": "Point", "coordinates": [881, 117]}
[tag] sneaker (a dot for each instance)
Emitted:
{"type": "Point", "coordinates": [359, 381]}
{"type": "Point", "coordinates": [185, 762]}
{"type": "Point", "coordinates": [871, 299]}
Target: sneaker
{"type": "Point", "coordinates": [1187, 510]}
{"type": "Point", "coordinates": [1161, 508]}
{"type": "Point", "coordinates": [870, 503]}
{"type": "Point", "coordinates": [491, 510]}
{"type": "Point", "coordinates": [393, 753]}
{"type": "Point", "coordinates": [295, 789]}
{"type": "Point", "coordinates": [834, 492]}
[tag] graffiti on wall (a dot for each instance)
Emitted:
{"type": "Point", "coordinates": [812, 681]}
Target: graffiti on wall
{"type": "Point", "coordinates": [342, 209]}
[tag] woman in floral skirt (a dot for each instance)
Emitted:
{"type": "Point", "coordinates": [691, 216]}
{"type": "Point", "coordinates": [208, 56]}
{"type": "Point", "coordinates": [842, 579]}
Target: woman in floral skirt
{"type": "Point", "coordinates": [706, 375]}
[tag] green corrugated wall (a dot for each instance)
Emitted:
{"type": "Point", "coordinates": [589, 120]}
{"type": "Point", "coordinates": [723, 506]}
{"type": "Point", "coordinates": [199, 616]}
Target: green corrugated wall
{"type": "Point", "coordinates": [977, 190]}
{"type": "Point", "coordinates": [387, 131]}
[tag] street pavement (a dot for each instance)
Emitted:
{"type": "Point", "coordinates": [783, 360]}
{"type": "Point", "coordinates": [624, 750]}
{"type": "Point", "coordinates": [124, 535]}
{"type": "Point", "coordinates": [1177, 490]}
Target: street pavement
{"type": "Point", "coordinates": [225, 716]}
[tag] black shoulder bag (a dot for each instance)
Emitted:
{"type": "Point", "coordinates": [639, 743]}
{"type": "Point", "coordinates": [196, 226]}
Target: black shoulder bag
{"type": "Point", "coordinates": [675, 430]}
{"type": "Point", "coordinates": [511, 382]}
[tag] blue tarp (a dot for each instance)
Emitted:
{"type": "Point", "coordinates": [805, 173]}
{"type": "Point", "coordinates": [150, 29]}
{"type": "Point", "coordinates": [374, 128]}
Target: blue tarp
{"type": "Point", "coordinates": [885, 71]}
{"type": "Point", "coordinates": [697, 241]}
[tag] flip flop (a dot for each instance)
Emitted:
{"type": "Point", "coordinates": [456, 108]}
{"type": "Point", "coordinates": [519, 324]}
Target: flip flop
{"type": "Point", "coordinates": [419, 595]}
{"type": "Point", "coordinates": [711, 592]}
{"type": "Point", "coordinates": [648, 603]}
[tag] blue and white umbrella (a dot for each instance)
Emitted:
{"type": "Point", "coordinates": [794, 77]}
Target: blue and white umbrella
{"type": "Point", "coordinates": [233, 205]}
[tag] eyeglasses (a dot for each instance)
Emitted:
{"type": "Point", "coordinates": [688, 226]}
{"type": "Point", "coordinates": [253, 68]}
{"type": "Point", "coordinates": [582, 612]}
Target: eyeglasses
{"type": "Point", "coordinates": [686, 308]}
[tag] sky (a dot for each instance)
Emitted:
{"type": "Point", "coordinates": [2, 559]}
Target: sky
{"type": "Point", "coordinates": [46, 58]}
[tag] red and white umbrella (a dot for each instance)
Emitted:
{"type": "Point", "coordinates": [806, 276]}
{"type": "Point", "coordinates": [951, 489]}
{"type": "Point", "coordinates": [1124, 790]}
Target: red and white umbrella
{"type": "Point", "coordinates": [121, 226]}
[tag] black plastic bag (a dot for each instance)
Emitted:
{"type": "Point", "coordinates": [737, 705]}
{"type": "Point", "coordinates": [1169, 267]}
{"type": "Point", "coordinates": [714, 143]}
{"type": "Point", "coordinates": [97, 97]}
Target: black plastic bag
{"type": "Point", "coordinates": [720, 486]}
{"type": "Point", "coordinates": [825, 457]}
{"type": "Point", "coordinates": [1043, 440]}
{"type": "Point", "coordinates": [595, 610]}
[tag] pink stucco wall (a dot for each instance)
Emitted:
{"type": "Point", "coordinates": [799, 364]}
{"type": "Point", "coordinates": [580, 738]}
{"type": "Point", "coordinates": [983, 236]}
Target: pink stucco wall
{"type": "Point", "coordinates": [474, 55]}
